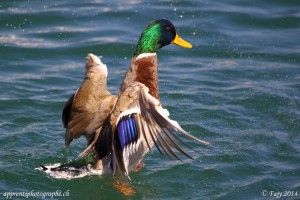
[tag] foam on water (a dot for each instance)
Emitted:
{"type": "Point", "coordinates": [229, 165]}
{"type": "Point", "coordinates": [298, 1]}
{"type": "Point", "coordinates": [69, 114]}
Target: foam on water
{"type": "Point", "coordinates": [70, 172]}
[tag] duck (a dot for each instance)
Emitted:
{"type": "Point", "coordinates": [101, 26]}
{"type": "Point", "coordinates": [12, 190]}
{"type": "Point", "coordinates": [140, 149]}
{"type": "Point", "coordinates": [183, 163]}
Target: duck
{"type": "Point", "coordinates": [121, 129]}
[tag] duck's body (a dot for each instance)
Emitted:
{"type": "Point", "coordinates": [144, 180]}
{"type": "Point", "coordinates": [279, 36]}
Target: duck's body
{"type": "Point", "coordinates": [122, 129]}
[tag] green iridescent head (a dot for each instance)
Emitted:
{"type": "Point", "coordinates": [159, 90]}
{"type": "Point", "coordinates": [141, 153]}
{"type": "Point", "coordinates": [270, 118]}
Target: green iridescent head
{"type": "Point", "coordinates": [158, 34]}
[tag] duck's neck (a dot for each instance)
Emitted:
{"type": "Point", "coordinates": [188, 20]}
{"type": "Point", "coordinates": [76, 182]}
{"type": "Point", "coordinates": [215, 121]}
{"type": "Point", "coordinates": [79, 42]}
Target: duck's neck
{"type": "Point", "coordinates": [143, 69]}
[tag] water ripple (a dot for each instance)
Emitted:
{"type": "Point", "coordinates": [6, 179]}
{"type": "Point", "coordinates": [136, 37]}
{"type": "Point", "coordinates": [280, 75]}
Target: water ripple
{"type": "Point", "coordinates": [238, 88]}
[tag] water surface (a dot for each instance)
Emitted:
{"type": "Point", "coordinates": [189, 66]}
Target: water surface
{"type": "Point", "coordinates": [238, 88]}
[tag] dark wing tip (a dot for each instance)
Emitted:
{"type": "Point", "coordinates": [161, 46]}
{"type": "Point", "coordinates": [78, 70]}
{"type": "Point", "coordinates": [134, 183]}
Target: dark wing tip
{"type": "Point", "coordinates": [43, 167]}
{"type": "Point", "coordinates": [67, 111]}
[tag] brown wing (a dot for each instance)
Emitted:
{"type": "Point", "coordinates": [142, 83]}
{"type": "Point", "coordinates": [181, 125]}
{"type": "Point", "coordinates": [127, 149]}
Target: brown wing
{"type": "Point", "coordinates": [86, 122]}
{"type": "Point", "coordinates": [87, 109]}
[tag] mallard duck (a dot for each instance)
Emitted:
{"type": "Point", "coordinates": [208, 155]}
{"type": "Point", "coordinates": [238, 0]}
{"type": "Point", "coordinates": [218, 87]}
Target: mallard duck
{"type": "Point", "coordinates": [121, 129]}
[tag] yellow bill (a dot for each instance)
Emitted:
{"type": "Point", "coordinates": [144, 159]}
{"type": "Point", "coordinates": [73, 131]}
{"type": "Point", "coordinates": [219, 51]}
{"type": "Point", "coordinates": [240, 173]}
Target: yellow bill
{"type": "Point", "coordinates": [181, 42]}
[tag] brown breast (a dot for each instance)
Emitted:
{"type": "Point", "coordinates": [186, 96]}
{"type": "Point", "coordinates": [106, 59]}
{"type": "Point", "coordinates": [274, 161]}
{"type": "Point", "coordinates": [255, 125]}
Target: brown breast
{"type": "Point", "coordinates": [144, 70]}
{"type": "Point", "coordinates": [146, 73]}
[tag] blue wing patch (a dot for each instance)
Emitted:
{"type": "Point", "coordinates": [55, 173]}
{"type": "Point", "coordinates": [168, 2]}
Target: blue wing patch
{"type": "Point", "coordinates": [127, 130]}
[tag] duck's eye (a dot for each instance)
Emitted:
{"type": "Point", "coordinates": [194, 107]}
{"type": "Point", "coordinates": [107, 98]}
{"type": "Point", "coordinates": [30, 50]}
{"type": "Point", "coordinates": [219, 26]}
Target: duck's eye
{"type": "Point", "coordinates": [168, 29]}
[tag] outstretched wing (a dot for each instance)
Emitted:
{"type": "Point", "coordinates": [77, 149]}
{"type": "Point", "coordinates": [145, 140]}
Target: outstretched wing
{"type": "Point", "coordinates": [87, 109]}
{"type": "Point", "coordinates": [137, 123]}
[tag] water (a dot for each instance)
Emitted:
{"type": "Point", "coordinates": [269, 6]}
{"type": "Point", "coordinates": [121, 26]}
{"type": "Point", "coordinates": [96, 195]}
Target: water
{"type": "Point", "coordinates": [238, 88]}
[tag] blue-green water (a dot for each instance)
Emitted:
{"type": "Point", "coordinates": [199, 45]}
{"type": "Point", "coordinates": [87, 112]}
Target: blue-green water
{"type": "Point", "coordinates": [238, 88]}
